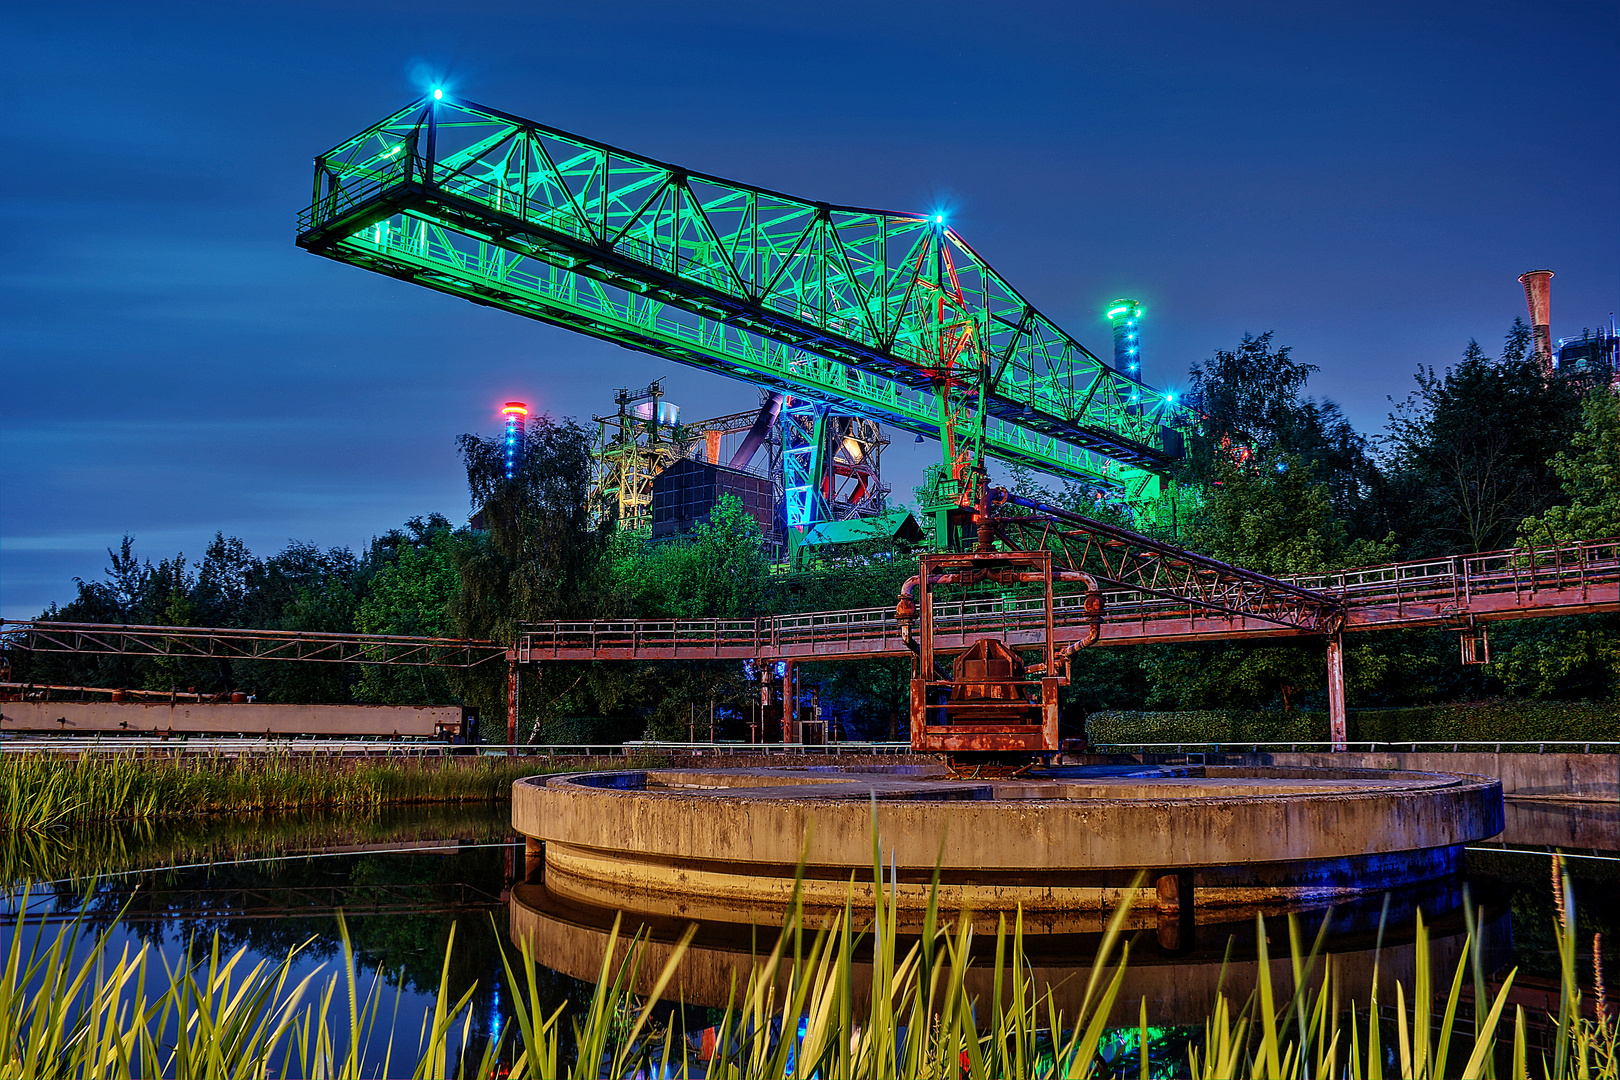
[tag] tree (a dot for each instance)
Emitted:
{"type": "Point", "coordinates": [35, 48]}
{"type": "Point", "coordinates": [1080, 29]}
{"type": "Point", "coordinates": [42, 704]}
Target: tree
{"type": "Point", "coordinates": [1288, 489]}
{"type": "Point", "coordinates": [412, 582]}
{"type": "Point", "coordinates": [717, 570]}
{"type": "Point", "coordinates": [1276, 517]}
{"type": "Point", "coordinates": [1589, 477]}
{"type": "Point", "coordinates": [1471, 450]}
{"type": "Point", "coordinates": [1252, 416]}
{"type": "Point", "coordinates": [1248, 396]}
{"type": "Point", "coordinates": [535, 557]}
{"type": "Point", "coordinates": [301, 588]}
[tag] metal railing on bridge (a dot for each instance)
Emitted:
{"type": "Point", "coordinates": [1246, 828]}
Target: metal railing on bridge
{"type": "Point", "coordinates": [234, 643]}
{"type": "Point", "coordinates": [1518, 582]}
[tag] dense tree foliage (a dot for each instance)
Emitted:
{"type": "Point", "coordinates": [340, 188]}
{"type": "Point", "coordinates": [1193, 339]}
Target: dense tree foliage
{"type": "Point", "coordinates": [534, 554]}
{"type": "Point", "coordinates": [410, 593]}
{"type": "Point", "coordinates": [1482, 455]}
{"type": "Point", "coordinates": [1471, 451]}
{"type": "Point", "coordinates": [1589, 475]}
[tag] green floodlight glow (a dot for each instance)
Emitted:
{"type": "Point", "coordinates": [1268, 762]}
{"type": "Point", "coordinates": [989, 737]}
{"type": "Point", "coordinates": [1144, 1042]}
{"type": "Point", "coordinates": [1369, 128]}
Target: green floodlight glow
{"type": "Point", "coordinates": [939, 219]}
{"type": "Point", "coordinates": [1112, 312]}
{"type": "Point", "coordinates": [438, 95]}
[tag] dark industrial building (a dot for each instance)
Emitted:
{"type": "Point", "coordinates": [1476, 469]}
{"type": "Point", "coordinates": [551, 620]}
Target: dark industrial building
{"type": "Point", "coordinates": [1590, 358]}
{"type": "Point", "coordinates": [685, 494]}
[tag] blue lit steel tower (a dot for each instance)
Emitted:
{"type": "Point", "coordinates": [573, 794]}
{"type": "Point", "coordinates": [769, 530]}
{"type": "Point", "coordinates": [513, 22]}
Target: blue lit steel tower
{"type": "Point", "coordinates": [514, 411]}
{"type": "Point", "coordinates": [1125, 313]}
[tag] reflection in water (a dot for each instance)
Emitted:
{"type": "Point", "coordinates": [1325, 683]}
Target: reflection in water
{"type": "Point", "coordinates": [402, 880]}
{"type": "Point", "coordinates": [80, 854]}
{"type": "Point", "coordinates": [405, 877]}
{"type": "Point", "coordinates": [1568, 826]}
{"type": "Point", "coordinates": [1179, 983]}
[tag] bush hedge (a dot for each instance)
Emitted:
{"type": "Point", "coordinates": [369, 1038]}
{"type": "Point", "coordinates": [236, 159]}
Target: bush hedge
{"type": "Point", "coordinates": [1466, 721]}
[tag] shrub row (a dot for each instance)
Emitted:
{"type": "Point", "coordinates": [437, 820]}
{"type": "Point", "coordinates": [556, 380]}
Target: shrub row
{"type": "Point", "coordinates": [1472, 721]}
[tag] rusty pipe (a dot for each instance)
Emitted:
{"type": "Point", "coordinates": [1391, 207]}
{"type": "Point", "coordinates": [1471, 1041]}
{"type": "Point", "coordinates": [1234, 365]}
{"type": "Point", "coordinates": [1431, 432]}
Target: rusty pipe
{"type": "Point", "coordinates": [905, 613]}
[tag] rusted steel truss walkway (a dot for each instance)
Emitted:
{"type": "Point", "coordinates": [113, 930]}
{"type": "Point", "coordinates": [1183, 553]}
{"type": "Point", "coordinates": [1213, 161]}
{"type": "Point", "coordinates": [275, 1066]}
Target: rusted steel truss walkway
{"type": "Point", "coordinates": [1573, 579]}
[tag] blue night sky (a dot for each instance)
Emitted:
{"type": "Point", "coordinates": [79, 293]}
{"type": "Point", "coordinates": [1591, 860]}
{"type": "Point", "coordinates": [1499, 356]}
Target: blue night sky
{"type": "Point", "coordinates": [1367, 180]}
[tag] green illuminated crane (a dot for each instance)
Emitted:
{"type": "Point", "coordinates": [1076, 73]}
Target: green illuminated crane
{"type": "Point", "coordinates": [875, 313]}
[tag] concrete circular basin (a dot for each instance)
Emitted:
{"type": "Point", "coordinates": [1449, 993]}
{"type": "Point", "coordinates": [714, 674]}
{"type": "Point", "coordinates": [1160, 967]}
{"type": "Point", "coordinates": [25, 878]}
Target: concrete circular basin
{"type": "Point", "coordinates": [1065, 845]}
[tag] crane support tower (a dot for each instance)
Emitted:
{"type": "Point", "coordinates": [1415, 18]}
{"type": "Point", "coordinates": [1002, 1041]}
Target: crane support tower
{"type": "Point", "coordinates": [884, 315]}
{"type": "Point", "coordinates": [633, 445]}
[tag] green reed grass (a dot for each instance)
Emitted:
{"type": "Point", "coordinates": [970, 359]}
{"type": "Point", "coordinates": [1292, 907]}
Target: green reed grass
{"type": "Point", "coordinates": [69, 1011]}
{"type": "Point", "coordinates": [84, 854]}
{"type": "Point", "coordinates": [38, 791]}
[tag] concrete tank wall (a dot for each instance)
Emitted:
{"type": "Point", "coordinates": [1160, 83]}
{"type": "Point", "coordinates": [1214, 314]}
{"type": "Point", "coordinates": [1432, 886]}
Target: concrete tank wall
{"type": "Point", "coordinates": [1551, 776]}
{"type": "Point", "coordinates": [135, 718]}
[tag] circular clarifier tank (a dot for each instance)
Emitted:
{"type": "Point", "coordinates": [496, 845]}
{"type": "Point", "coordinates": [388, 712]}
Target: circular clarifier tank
{"type": "Point", "coordinates": [1066, 846]}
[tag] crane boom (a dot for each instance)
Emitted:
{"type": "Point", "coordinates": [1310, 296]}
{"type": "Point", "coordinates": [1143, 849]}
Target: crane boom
{"type": "Point", "coordinates": [866, 311]}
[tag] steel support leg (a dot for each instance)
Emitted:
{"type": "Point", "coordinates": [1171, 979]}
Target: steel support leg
{"type": "Point", "coordinates": [511, 702]}
{"type": "Point", "coordinates": [788, 696]}
{"type": "Point", "coordinates": [763, 727]}
{"type": "Point", "coordinates": [1337, 730]}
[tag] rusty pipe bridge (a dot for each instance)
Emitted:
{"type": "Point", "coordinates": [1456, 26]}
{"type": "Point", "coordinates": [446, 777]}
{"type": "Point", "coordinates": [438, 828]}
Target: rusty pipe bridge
{"type": "Point", "coordinates": [1457, 591]}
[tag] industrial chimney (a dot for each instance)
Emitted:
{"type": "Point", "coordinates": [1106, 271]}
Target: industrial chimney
{"type": "Point", "coordinates": [514, 412]}
{"type": "Point", "coordinates": [1124, 313]}
{"type": "Point", "coordinates": [1538, 294]}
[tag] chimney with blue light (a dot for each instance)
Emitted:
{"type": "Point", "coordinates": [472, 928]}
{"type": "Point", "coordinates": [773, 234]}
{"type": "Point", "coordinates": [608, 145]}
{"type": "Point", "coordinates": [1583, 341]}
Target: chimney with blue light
{"type": "Point", "coordinates": [1125, 313]}
{"type": "Point", "coordinates": [514, 412]}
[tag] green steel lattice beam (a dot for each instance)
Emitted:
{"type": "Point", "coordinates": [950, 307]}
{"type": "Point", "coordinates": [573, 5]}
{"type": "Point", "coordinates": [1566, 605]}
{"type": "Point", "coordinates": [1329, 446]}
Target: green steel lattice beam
{"type": "Point", "coordinates": [827, 302]}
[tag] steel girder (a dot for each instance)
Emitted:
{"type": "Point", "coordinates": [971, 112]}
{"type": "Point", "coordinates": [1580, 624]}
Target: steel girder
{"type": "Point", "coordinates": [855, 467]}
{"type": "Point", "coordinates": [1129, 560]}
{"type": "Point", "coordinates": [804, 464]}
{"type": "Point", "coordinates": [826, 302]}
{"type": "Point", "coordinates": [204, 642]}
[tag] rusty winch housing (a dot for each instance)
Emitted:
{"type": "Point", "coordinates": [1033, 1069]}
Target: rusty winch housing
{"type": "Point", "coordinates": [987, 685]}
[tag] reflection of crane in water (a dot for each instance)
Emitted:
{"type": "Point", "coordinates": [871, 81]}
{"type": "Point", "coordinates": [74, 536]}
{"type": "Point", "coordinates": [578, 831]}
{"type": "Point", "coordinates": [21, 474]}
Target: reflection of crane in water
{"type": "Point", "coordinates": [238, 902]}
{"type": "Point", "coordinates": [255, 889]}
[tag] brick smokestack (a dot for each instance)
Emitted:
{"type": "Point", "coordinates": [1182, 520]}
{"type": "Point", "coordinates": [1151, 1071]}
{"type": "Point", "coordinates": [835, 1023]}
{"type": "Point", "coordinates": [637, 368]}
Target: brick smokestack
{"type": "Point", "coordinates": [1538, 294]}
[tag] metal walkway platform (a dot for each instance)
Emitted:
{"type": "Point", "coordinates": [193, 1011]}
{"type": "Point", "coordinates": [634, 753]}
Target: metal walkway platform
{"type": "Point", "coordinates": [1574, 579]}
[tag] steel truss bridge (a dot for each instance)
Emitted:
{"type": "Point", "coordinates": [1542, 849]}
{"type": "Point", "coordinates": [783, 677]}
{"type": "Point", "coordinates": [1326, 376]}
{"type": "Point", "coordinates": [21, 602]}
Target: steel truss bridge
{"type": "Point", "coordinates": [1202, 600]}
{"type": "Point", "coordinates": [1458, 591]}
{"type": "Point", "coordinates": [880, 314]}
{"type": "Point", "coordinates": [223, 643]}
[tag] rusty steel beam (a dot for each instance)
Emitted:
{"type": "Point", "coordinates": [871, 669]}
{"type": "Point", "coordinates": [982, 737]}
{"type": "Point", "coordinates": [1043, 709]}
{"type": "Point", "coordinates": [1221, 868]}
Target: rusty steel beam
{"type": "Point", "coordinates": [1129, 560]}
{"type": "Point", "coordinates": [205, 642]}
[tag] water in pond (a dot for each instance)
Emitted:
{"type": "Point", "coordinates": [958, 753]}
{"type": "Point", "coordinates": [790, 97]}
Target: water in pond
{"type": "Point", "coordinates": [403, 879]}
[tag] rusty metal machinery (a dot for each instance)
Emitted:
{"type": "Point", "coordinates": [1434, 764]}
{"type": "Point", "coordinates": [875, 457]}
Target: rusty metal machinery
{"type": "Point", "coordinates": [993, 708]}
{"type": "Point", "coordinates": [993, 705]}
